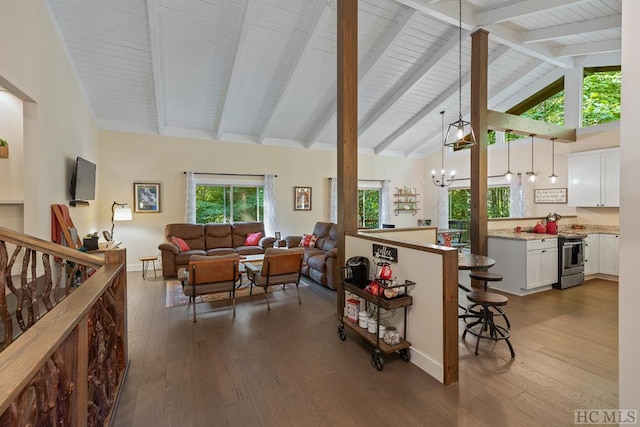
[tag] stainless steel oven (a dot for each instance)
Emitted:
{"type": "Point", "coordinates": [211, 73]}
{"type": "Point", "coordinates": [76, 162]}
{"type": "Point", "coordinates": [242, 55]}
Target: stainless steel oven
{"type": "Point", "coordinates": [570, 260]}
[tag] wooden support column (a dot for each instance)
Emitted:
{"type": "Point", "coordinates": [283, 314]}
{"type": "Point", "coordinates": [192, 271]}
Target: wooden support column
{"type": "Point", "coordinates": [479, 74]}
{"type": "Point", "coordinates": [347, 118]}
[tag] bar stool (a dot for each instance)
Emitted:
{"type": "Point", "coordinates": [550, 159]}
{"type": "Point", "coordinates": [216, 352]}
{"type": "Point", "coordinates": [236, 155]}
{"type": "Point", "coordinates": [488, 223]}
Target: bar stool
{"type": "Point", "coordinates": [485, 327]}
{"type": "Point", "coordinates": [485, 276]}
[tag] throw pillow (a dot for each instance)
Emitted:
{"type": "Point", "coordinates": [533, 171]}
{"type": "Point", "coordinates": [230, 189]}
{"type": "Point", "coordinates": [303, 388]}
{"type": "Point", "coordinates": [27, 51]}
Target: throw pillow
{"type": "Point", "coordinates": [308, 240]}
{"type": "Point", "coordinates": [253, 239]}
{"type": "Point", "coordinates": [180, 243]}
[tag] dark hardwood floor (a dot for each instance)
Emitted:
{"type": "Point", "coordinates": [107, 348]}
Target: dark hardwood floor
{"type": "Point", "coordinates": [289, 367]}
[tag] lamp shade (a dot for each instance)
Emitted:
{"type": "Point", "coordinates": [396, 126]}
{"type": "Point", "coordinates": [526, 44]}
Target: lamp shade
{"type": "Point", "coordinates": [122, 213]}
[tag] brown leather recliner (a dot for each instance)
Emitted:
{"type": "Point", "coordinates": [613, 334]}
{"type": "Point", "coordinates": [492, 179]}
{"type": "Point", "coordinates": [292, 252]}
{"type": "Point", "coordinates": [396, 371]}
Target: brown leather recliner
{"type": "Point", "coordinates": [320, 261]}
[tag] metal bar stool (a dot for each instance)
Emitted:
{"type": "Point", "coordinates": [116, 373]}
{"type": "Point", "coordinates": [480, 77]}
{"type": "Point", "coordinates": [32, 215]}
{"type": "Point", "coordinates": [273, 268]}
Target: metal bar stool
{"type": "Point", "coordinates": [485, 276]}
{"type": "Point", "coordinates": [485, 327]}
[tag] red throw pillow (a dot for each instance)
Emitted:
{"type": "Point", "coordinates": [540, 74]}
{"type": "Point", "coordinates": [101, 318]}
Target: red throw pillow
{"type": "Point", "coordinates": [253, 239]}
{"type": "Point", "coordinates": [180, 243]}
{"type": "Point", "coordinates": [308, 240]}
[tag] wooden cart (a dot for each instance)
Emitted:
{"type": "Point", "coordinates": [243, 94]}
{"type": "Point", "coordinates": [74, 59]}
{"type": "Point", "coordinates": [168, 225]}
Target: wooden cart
{"type": "Point", "coordinates": [381, 347]}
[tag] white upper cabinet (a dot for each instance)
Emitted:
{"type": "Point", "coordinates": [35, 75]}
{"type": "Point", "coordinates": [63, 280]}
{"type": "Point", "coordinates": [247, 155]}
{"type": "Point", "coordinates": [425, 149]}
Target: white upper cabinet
{"type": "Point", "coordinates": [594, 178]}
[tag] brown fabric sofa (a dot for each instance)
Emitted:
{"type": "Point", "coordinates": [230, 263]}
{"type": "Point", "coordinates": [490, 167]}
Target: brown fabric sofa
{"type": "Point", "coordinates": [209, 239]}
{"type": "Point", "coordinates": [320, 261]}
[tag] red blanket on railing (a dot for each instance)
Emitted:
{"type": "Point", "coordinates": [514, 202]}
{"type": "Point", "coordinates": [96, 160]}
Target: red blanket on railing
{"type": "Point", "coordinates": [56, 227]}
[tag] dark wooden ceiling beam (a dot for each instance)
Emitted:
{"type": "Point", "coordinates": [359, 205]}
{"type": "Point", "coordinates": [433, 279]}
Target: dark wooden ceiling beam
{"type": "Point", "coordinates": [524, 126]}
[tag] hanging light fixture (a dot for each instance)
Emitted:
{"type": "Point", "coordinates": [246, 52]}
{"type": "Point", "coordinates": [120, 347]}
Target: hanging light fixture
{"type": "Point", "coordinates": [553, 178]}
{"type": "Point", "coordinates": [531, 174]}
{"type": "Point", "coordinates": [508, 175]}
{"type": "Point", "coordinates": [458, 129]}
{"type": "Point", "coordinates": [442, 182]}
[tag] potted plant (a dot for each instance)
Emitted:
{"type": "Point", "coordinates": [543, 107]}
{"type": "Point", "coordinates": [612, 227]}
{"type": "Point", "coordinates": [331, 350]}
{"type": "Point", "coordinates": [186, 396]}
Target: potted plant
{"type": "Point", "coordinates": [4, 149]}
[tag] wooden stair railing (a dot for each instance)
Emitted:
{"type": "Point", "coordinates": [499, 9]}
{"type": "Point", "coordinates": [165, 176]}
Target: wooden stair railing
{"type": "Point", "coordinates": [67, 364]}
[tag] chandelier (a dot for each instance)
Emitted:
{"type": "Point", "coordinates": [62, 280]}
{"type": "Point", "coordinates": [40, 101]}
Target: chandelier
{"type": "Point", "coordinates": [443, 181]}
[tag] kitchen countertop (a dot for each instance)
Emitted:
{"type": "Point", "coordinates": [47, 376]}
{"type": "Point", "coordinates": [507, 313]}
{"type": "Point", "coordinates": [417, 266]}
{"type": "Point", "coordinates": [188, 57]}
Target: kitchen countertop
{"type": "Point", "coordinates": [527, 234]}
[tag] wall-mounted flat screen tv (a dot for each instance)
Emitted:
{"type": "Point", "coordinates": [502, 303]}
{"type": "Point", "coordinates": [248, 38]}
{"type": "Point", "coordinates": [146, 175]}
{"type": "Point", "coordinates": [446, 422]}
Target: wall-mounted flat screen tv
{"type": "Point", "coordinates": [83, 181]}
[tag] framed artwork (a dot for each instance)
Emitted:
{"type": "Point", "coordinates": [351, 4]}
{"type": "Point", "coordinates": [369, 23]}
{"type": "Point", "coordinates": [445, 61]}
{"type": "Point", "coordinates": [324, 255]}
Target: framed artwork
{"type": "Point", "coordinates": [146, 197]}
{"type": "Point", "coordinates": [302, 198]}
{"type": "Point", "coordinates": [550, 195]}
{"type": "Point", "coordinates": [277, 235]}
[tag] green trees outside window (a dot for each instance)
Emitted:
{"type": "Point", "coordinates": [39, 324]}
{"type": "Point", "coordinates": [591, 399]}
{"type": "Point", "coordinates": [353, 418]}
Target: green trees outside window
{"type": "Point", "coordinates": [368, 208]}
{"type": "Point", "coordinates": [228, 203]}
{"type": "Point", "coordinates": [460, 206]}
{"type": "Point", "coordinates": [601, 97]}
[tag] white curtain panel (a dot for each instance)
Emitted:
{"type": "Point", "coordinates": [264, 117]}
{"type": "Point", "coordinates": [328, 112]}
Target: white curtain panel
{"type": "Point", "coordinates": [515, 197]}
{"type": "Point", "coordinates": [443, 207]}
{"type": "Point", "coordinates": [385, 202]}
{"type": "Point", "coordinates": [333, 200]}
{"type": "Point", "coordinates": [270, 224]}
{"type": "Point", "coordinates": [190, 199]}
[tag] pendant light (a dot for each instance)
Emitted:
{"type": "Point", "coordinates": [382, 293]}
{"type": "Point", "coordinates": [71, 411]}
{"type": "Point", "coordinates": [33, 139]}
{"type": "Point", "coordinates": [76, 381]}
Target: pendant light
{"type": "Point", "coordinates": [442, 182]}
{"type": "Point", "coordinates": [553, 178]}
{"type": "Point", "coordinates": [458, 129]}
{"type": "Point", "coordinates": [508, 175]}
{"type": "Point", "coordinates": [531, 174]}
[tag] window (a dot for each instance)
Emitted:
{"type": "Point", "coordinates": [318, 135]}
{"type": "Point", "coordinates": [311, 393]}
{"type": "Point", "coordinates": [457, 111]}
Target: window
{"type": "Point", "coordinates": [460, 206]}
{"type": "Point", "coordinates": [601, 95]}
{"type": "Point", "coordinates": [229, 203]}
{"type": "Point", "coordinates": [601, 88]}
{"type": "Point", "coordinates": [368, 208]}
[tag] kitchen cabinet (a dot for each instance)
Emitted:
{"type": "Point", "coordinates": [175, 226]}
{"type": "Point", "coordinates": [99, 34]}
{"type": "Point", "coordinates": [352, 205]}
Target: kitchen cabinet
{"type": "Point", "coordinates": [526, 265]}
{"type": "Point", "coordinates": [542, 263]}
{"type": "Point", "coordinates": [609, 254]}
{"type": "Point", "coordinates": [594, 178]}
{"type": "Point", "coordinates": [592, 254]}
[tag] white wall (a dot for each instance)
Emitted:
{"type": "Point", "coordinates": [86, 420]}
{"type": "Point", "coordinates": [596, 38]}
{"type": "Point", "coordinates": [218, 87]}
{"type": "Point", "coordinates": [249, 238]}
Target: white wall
{"type": "Point", "coordinates": [127, 158]}
{"type": "Point", "coordinates": [11, 169]}
{"type": "Point", "coordinates": [424, 317]}
{"type": "Point", "coordinates": [629, 291]}
{"type": "Point", "coordinates": [58, 124]}
{"type": "Point", "coordinates": [521, 162]}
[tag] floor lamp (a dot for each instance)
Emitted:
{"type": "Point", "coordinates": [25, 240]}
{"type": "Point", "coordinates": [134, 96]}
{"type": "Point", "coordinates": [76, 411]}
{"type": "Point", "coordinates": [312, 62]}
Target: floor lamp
{"type": "Point", "coordinates": [121, 213]}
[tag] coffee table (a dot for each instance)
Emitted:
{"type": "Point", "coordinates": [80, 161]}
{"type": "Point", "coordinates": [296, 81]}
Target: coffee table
{"type": "Point", "coordinates": [256, 260]}
{"type": "Point", "coordinates": [253, 259]}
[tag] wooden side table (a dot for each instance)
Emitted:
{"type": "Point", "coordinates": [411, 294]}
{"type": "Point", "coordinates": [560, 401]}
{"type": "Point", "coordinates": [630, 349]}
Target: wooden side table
{"type": "Point", "coordinates": [145, 265]}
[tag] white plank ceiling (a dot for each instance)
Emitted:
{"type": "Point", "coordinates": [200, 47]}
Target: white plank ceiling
{"type": "Point", "coordinates": [264, 71]}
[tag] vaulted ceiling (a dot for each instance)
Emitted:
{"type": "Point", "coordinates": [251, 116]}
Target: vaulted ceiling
{"type": "Point", "coordinates": [264, 71]}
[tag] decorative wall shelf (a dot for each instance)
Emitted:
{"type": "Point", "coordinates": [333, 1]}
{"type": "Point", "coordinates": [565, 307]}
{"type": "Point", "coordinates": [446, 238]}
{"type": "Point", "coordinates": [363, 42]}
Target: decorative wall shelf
{"type": "Point", "coordinates": [406, 200]}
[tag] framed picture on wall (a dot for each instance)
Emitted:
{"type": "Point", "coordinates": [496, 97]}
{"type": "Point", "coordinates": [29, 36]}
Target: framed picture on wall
{"type": "Point", "coordinates": [302, 198]}
{"type": "Point", "coordinates": [146, 197]}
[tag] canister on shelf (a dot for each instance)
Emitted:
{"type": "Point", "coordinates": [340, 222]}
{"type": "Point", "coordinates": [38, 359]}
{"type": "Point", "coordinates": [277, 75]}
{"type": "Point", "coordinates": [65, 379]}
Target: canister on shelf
{"type": "Point", "coordinates": [372, 326]}
{"type": "Point", "coordinates": [353, 307]}
{"type": "Point", "coordinates": [391, 336]}
{"type": "Point", "coordinates": [363, 318]}
{"type": "Point", "coordinates": [381, 331]}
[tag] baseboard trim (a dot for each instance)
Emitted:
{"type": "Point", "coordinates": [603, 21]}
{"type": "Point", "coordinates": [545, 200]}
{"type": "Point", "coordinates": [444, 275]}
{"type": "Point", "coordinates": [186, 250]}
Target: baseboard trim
{"type": "Point", "coordinates": [427, 364]}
